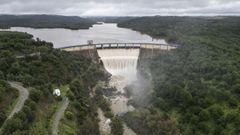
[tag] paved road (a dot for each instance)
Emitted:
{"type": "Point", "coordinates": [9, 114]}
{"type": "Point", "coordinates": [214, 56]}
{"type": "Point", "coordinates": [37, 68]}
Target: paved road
{"type": "Point", "coordinates": [23, 96]}
{"type": "Point", "coordinates": [23, 56]}
{"type": "Point", "coordinates": [30, 55]}
{"type": "Point", "coordinates": [58, 116]}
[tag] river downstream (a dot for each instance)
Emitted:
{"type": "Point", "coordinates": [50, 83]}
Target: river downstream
{"type": "Point", "coordinates": [122, 64]}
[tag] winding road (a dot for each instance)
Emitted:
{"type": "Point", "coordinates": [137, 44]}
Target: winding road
{"type": "Point", "coordinates": [58, 116]}
{"type": "Point", "coordinates": [23, 96]}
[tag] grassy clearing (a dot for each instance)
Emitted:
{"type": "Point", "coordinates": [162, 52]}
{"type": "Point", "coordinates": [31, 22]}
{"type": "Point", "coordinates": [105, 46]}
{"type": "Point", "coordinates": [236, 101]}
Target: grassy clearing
{"type": "Point", "coordinates": [65, 124]}
{"type": "Point", "coordinates": [67, 127]}
{"type": "Point", "coordinates": [15, 98]}
{"type": "Point", "coordinates": [47, 107]}
{"type": "Point", "coordinates": [64, 89]}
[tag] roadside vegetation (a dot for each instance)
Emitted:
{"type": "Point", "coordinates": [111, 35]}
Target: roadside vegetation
{"type": "Point", "coordinates": [8, 97]}
{"type": "Point", "coordinates": [198, 84]}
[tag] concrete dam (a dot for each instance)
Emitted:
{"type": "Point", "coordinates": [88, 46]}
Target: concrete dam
{"type": "Point", "coordinates": [121, 60]}
{"type": "Point", "coordinates": [146, 50]}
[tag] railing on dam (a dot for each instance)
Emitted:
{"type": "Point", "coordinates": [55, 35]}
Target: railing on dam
{"type": "Point", "coordinates": [118, 45]}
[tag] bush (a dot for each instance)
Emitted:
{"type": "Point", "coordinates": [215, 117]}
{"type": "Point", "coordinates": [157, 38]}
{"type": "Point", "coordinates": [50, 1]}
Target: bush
{"type": "Point", "coordinates": [59, 98]}
{"type": "Point", "coordinates": [35, 95]}
{"type": "Point", "coordinates": [69, 115]}
{"type": "Point", "coordinates": [116, 126]}
{"type": "Point", "coordinates": [108, 114]}
{"type": "Point", "coordinates": [70, 95]}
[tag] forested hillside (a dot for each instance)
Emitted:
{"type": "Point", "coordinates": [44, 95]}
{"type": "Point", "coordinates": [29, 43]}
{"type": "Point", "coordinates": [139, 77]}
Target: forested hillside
{"type": "Point", "coordinates": [111, 19]}
{"type": "Point", "coordinates": [41, 68]}
{"type": "Point", "coordinates": [197, 84]}
{"type": "Point", "coordinates": [45, 21]}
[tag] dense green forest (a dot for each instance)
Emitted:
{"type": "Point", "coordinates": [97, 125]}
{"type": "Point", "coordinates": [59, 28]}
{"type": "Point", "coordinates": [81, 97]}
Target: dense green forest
{"type": "Point", "coordinates": [45, 21]}
{"type": "Point", "coordinates": [197, 84]}
{"type": "Point", "coordinates": [111, 19]}
{"type": "Point", "coordinates": [41, 68]}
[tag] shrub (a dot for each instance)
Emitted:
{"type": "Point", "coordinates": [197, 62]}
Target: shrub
{"type": "Point", "coordinates": [69, 115]}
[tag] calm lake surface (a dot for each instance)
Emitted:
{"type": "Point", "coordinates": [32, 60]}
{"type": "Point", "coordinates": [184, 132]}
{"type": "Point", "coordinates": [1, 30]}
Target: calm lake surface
{"type": "Point", "coordinates": [103, 33]}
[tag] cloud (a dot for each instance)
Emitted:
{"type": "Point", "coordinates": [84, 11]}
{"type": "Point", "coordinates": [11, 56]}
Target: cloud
{"type": "Point", "coordinates": [121, 7]}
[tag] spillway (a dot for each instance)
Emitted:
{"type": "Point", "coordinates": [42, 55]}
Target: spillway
{"type": "Point", "coordinates": [122, 64]}
{"type": "Point", "coordinates": [118, 61]}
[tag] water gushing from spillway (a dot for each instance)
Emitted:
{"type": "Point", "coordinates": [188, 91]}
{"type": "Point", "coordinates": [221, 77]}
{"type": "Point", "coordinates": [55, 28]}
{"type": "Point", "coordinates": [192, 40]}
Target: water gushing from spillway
{"type": "Point", "coordinates": [122, 64]}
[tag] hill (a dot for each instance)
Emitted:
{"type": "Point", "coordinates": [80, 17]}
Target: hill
{"type": "Point", "coordinates": [41, 69]}
{"type": "Point", "coordinates": [198, 84]}
{"type": "Point", "coordinates": [45, 21]}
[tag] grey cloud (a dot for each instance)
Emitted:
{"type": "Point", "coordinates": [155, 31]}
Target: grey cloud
{"type": "Point", "coordinates": [121, 7]}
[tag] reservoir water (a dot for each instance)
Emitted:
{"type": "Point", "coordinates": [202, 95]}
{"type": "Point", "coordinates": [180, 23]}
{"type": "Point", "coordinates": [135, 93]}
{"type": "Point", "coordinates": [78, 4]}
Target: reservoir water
{"type": "Point", "coordinates": [104, 33]}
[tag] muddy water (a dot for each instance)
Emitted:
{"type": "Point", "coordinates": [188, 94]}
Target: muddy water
{"type": "Point", "coordinates": [104, 123]}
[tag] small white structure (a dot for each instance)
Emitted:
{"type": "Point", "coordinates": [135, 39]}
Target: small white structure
{"type": "Point", "coordinates": [57, 92]}
{"type": "Point", "coordinates": [108, 121]}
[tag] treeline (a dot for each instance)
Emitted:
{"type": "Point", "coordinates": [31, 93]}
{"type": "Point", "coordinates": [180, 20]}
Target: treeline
{"type": "Point", "coordinates": [111, 19]}
{"type": "Point", "coordinates": [40, 67]}
{"type": "Point", "coordinates": [45, 21]}
{"type": "Point", "coordinates": [197, 84]}
{"type": "Point", "coordinates": [150, 122]}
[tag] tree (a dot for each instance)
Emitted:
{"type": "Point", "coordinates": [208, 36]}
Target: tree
{"type": "Point", "coordinates": [69, 115]}
{"type": "Point", "coordinates": [2, 118]}
{"type": "Point", "coordinates": [204, 115]}
{"type": "Point", "coordinates": [35, 94]}
{"type": "Point", "coordinates": [38, 129]}
{"type": "Point", "coordinates": [216, 112]}
{"type": "Point", "coordinates": [1, 75]}
{"type": "Point", "coordinates": [77, 87]}
{"type": "Point", "coordinates": [12, 125]}
{"type": "Point", "coordinates": [116, 126]}
{"type": "Point", "coordinates": [89, 127]}
{"type": "Point", "coordinates": [160, 103]}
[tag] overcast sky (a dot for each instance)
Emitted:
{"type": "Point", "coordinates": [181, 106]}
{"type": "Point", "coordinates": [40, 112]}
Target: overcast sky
{"type": "Point", "coordinates": [121, 7]}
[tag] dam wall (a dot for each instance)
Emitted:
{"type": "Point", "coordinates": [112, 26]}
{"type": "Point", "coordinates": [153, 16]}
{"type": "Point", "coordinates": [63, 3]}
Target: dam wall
{"type": "Point", "coordinates": [147, 50]}
{"type": "Point", "coordinates": [86, 51]}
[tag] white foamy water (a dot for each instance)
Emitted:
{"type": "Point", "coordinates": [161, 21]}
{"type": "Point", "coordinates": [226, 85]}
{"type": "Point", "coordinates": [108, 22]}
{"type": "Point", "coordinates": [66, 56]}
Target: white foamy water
{"type": "Point", "coordinates": [104, 123]}
{"type": "Point", "coordinates": [122, 64]}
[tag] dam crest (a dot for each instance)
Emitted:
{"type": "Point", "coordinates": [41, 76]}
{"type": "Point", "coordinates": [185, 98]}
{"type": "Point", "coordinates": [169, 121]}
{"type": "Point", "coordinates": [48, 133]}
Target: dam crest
{"type": "Point", "coordinates": [146, 50]}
